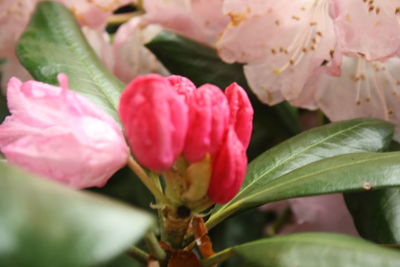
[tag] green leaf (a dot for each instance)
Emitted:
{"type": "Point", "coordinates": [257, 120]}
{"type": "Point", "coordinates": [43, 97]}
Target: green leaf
{"type": "Point", "coordinates": [376, 214]}
{"type": "Point", "coordinates": [46, 224]}
{"type": "Point", "coordinates": [196, 61]}
{"type": "Point", "coordinates": [53, 43]}
{"type": "Point", "coordinates": [310, 250]}
{"type": "Point", "coordinates": [359, 135]}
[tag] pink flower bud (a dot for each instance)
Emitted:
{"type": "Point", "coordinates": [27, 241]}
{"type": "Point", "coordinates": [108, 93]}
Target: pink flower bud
{"type": "Point", "coordinates": [208, 122]}
{"type": "Point", "coordinates": [228, 170]}
{"type": "Point", "coordinates": [241, 112]}
{"type": "Point", "coordinates": [61, 135]}
{"type": "Point", "coordinates": [155, 118]}
{"type": "Point", "coordinates": [182, 85]}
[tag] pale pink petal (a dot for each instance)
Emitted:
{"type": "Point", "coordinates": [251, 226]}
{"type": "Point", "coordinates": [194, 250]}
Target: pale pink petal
{"type": "Point", "coordinates": [58, 134]}
{"type": "Point", "coordinates": [282, 43]}
{"type": "Point", "coordinates": [368, 28]}
{"type": "Point", "coordinates": [365, 89]}
{"type": "Point", "coordinates": [131, 57]}
{"type": "Point", "coordinates": [94, 13]}
{"type": "Point", "coordinates": [201, 20]}
{"type": "Point", "coordinates": [326, 213]}
{"type": "Point", "coordinates": [99, 40]}
{"type": "Point", "coordinates": [14, 16]}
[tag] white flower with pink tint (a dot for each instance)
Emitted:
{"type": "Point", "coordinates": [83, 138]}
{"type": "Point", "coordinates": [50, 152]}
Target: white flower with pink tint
{"type": "Point", "coordinates": [282, 43]}
{"type": "Point", "coordinates": [54, 132]}
{"type": "Point", "coordinates": [370, 29]}
{"type": "Point", "coordinates": [201, 20]}
{"type": "Point", "coordinates": [364, 89]}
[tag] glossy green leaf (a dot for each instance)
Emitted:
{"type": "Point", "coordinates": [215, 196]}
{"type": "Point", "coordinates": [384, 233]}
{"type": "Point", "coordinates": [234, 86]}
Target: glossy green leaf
{"type": "Point", "coordinates": [376, 214]}
{"type": "Point", "coordinates": [194, 60]}
{"type": "Point", "coordinates": [46, 224]}
{"type": "Point", "coordinates": [53, 43]}
{"type": "Point", "coordinates": [310, 250]}
{"type": "Point", "coordinates": [359, 135]}
{"type": "Point", "coordinates": [344, 173]}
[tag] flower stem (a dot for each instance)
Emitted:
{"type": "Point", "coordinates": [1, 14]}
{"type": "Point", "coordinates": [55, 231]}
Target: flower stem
{"type": "Point", "coordinates": [155, 249]}
{"type": "Point", "coordinates": [147, 181]}
{"type": "Point", "coordinates": [138, 254]}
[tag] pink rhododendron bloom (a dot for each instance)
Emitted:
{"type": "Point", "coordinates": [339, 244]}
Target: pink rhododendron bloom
{"type": "Point", "coordinates": [368, 28]}
{"type": "Point", "coordinates": [54, 132]}
{"type": "Point", "coordinates": [168, 118]}
{"type": "Point", "coordinates": [364, 89]}
{"type": "Point", "coordinates": [201, 20]}
{"type": "Point", "coordinates": [131, 57]}
{"type": "Point", "coordinates": [282, 43]}
{"type": "Point", "coordinates": [15, 15]}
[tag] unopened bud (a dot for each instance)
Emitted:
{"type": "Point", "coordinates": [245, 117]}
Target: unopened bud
{"type": "Point", "coordinates": [155, 118]}
{"type": "Point", "coordinates": [208, 121]}
{"type": "Point", "coordinates": [241, 112]}
{"type": "Point", "coordinates": [229, 169]}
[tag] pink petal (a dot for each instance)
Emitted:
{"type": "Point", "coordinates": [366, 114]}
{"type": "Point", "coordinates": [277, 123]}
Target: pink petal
{"type": "Point", "coordinates": [14, 16]}
{"type": "Point", "coordinates": [131, 57]}
{"type": "Point", "coordinates": [282, 43]}
{"type": "Point", "coordinates": [93, 13]}
{"type": "Point", "coordinates": [56, 133]}
{"type": "Point", "coordinates": [371, 29]}
{"type": "Point", "coordinates": [201, 20]}
{"type": "Point", "coordinates": [365, 89]}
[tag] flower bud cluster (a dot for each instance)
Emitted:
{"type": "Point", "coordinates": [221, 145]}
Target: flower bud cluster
{"type": "Point", "coordinates": [196, 137]}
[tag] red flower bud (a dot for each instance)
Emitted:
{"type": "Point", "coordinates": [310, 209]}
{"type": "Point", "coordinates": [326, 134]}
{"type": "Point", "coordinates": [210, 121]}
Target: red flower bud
{"type": "Point", "coordinates": [228, 170]}
{"type": "Point", "coordinates": [155, 118]}
{"type": "Point", "coordinates": [182, 85]}
{"type": "Point", "coordinates": [208, 121]}
{"type": "Point", "coordinates": [241, 112]}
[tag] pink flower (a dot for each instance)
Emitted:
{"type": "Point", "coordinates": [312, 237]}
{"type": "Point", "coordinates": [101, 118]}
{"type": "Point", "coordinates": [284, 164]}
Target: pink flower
{"type": "Point", "coordinates": [54, 132]}
{"type": "Point", "coordinates": [201, 20]}
{"type": "Point", "coordinates": [131, 57]}
{"type": "Point", "coordinates": [282, 43]}
{"type": "Point", "coordinates": [168, 118]}
{"type": "Point", "coordinates": [367, 28]}
{"type": "Point", "coordinates": [364, 89]}
{"type": "Point", "coordinates": [15, 15]}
